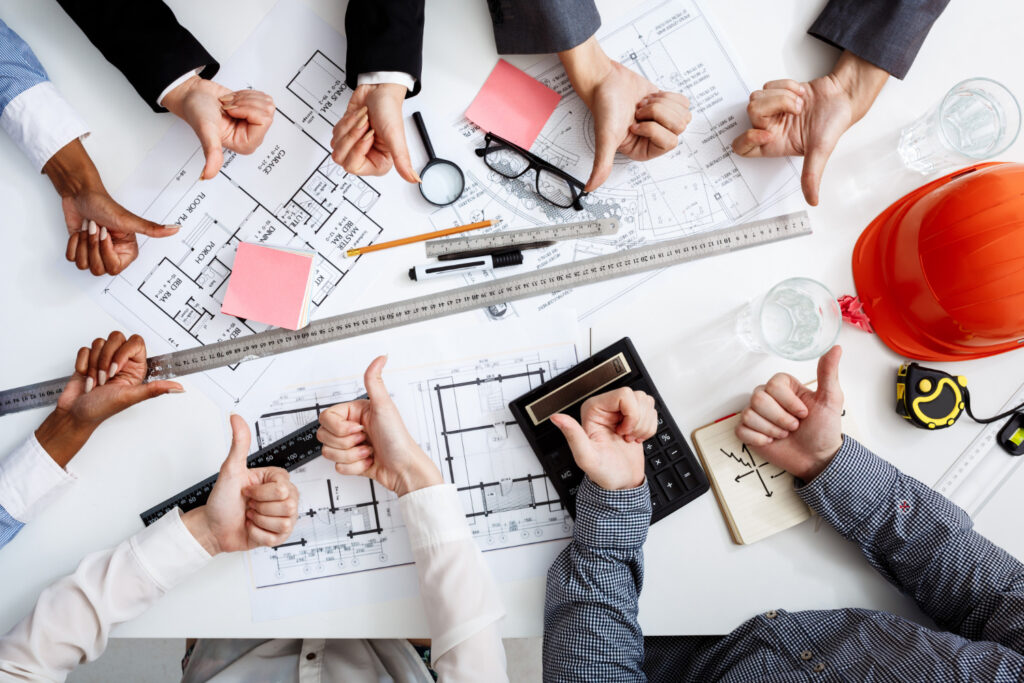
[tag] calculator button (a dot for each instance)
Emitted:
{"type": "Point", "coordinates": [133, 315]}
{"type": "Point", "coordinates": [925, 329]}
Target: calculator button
{"type": "Point", "coordinates": [665, 438]}
{"type": "Point", "coordinates": [650, 446]}
{"type": "Point", "coordinates": [661, 419]}
{"type": "Point", "coordinates": [670, 485]}
{"type": "Point", "coordinates": [674, 452]}
{"type": "Point", "coordinates": [658, 462]}
{"type": "Point", "coordinates": [686, 476]}
{"type": "Point", "coordinates": [568, 474]}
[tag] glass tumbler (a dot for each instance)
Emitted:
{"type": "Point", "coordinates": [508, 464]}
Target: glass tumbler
{"type": "Point", "coordinates": [798, 319]}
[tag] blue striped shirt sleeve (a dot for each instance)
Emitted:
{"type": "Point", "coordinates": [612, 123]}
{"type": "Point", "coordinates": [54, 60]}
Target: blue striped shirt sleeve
{"type": "Point", "coordinates": [9, 527]}
{"type": "Point", "coordinates": [19, 67]}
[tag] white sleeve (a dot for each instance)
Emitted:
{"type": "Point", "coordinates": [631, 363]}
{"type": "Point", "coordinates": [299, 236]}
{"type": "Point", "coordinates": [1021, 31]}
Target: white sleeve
{"type": "Point", "coordinates": [40, 122]}
{"type": "Point", "coordinates": [459, 595]}
{"type": "Point", "coordinates": [30, 480]}
{"type": "Point", "coordinates": [176, 82]}
{"type": "Point", "coordinates": [72, 619]}
{"type": "Point", "coordinates": [378, 77]}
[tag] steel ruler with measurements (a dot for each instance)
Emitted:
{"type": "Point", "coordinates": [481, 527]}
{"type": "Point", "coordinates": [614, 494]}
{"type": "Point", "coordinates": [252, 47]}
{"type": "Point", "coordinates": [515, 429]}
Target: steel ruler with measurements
{"type": "Point", "coordinates": [513, 288]}
{"type": "Point", "coordinates": [512, 238]}
{"type": "Point", "coordinates": [982, 468]}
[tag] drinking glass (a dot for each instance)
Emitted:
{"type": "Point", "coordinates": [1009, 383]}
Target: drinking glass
{"type": "Point", "coordinates": [978, 119]}
{"type": "Point", "coordinates": [798, 319]}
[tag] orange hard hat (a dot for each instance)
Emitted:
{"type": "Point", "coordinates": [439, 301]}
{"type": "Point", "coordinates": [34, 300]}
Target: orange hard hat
{"type": "Point", "coordinates": [941, 271]}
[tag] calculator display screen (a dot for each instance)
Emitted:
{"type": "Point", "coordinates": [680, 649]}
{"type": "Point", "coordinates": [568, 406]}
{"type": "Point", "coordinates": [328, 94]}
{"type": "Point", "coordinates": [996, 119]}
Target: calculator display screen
{"type": "Point", "coordinates": [578, 388]}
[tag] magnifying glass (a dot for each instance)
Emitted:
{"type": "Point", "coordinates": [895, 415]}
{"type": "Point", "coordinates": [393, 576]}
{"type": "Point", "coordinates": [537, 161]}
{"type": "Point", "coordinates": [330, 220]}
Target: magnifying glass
{"type": "Point", "coordinates": [442, 181]}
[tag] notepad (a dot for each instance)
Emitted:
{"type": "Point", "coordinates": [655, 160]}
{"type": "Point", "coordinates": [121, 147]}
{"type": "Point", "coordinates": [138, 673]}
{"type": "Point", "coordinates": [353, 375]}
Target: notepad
{"type": "Point", "coordinates": [513, 105]}
{"type": "Point", "coordinates": [270, 285]}
{"type": "Point", "coordinates": [757, 498]}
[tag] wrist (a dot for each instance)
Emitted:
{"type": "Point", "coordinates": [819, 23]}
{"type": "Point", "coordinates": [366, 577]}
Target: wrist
{"type": "Point", "coordinates": [586, 65]}
{"type": "Point", "coordinates": [71, 170]}
{"type": "Point", "coordinates": [819, 463]}
{"type": "Point", "coordinates": [174, 100]}
{"type": "Point", "coordinates": [421, 475]}
{"type": "Point", "coordinates": [861, 80]}
{"type": "Point", "coordinates": [62, 436]}
{"type": "Point", "coordinates": [198, 524]}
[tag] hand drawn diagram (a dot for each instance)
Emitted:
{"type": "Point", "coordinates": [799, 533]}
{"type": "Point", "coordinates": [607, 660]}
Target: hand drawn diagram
{"type": "Point", "coordinates": [458, 413]}
{"type": "Point", "coordinates": [698, 187]}
{"type": "Point", "coordinates": [288, 193]}
{"type": "Point", "coordinates": [749, 462]}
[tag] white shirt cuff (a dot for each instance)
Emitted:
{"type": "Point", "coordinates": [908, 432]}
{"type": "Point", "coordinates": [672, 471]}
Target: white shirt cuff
{"type": "Point", "coordinates": [174, 84]}
{"type": "Point", "coordinates": [30, 480]}
{"type": "Point", "coordinates": [168, 551]}
{"type": "Point", "coordinates": [434, 516]}
{"type": "Point", "coordinates": [40, 121]}
{"type": "Point", "coordinates": [378, 77]}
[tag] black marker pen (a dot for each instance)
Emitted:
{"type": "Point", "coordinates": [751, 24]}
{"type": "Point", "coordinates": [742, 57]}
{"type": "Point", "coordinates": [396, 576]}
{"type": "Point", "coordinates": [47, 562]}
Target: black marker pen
{"type": "Point", "coordinates": [486, 262]}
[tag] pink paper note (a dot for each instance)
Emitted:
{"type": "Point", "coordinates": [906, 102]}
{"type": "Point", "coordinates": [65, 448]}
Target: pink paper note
{"type": "Point", "coordinates": [268, 285]}
{"type": "Point", "coordinates": [513, 105]}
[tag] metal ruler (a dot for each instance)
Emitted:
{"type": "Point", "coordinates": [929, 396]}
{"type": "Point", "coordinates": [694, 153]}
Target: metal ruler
{"type": "Point", "coordinates": [430, 306]}
{"type": "Point", "coordinates": [512, 238]}
{"type": "Point", "coordinates": [289, 452]}
{"type": "Point", "coordinates": [982, 468]}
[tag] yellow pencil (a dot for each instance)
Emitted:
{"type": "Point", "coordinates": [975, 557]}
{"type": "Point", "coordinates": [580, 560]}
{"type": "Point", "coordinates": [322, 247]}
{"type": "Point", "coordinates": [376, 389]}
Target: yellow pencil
{"type": "Point", "coordinates": [418, 238]}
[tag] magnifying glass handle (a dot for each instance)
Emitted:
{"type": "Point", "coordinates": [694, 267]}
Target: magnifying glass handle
{"type": "Point", "coordinates": [423, 134]}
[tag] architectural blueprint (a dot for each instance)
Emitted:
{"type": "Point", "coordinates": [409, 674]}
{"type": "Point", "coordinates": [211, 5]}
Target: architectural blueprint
{"type": "Point", "coordinates": [698, 187]}
{"type": "Point", "coordinates": [288, 193]}
{"type": "Point", "coordinates": [455, 404]}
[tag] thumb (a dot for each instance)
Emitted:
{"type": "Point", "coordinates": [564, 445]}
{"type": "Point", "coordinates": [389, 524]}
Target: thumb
{"type": "Point", "coordinates": [395, 142]}
{"type": "Point", "coordinates": [374, 382]}
{"type": "Point", "coordinates": [240, 439]}
{"type": "Point", "coordinates": [828, 373]}
{"type": "Point", "coordinates": [605, 146]}
{"type": "Point", "coordinates": [210, 140]}
{"type": "Point", "coordinates": [127, 221]}
{"type": "Point", "coordinates": [573, 432]}
{"type": "Point", "coordinates": [143, 392]}
{"type": "Point", "coordinates": [814, 168]}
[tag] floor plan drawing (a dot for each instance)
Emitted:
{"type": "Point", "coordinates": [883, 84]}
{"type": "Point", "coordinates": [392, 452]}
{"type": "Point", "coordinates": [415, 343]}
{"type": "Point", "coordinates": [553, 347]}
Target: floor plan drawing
{"type": "Point", "coordinates": [289, 193]}
{"type": "Point", "coordinates": [698, 187]}
{"type": "Point", "coordinates": [458, 413]}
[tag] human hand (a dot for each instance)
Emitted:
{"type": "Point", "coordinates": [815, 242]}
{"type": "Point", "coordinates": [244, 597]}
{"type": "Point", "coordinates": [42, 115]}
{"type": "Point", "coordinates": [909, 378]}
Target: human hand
{"type": "Point", "coordinates": [793, 427]}
{"type": "Point", "coordinates": [369, 438]}
{"type": "Point", "coordinates": [248, 507]}
{"type": "Point", "coordinates": [807, 119]}
{"type": "Point", "coordinates": [101, 232]}
{"type": "Point", "coordinates": [221, 118]}
{"type": "Point", "coordinates": [608, 444]}
{"type": "Point", "coordinates": [370, 138]}
{"type": "Point", "coordinates": [108, 378]}
{"type": "Point", "coordinates": [631, 115]}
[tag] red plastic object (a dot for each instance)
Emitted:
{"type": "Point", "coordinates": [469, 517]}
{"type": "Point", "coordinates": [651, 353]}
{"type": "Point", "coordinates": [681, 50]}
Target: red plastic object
{"type": "Point", "coordinates": [941, 271]}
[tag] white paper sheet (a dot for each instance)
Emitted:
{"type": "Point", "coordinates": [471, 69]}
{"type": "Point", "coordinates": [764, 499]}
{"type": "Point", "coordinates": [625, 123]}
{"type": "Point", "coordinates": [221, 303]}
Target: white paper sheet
{"type": "Point", "coordinates": [452, 385]}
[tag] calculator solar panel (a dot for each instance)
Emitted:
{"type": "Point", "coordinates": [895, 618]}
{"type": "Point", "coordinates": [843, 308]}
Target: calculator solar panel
{"type": "Point", "coordinates": [673, 474]}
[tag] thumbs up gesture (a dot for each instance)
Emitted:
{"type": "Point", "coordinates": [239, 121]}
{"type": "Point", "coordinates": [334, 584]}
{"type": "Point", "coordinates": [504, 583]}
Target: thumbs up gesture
{"type": "Point", "coordinates": [793, 427]}
{"type": "Point", "coordinates": [221, 118]}
{"type": "Point", "coordinates": [369, 438]}
{"type": "Point", "coordinates": [247, 508]}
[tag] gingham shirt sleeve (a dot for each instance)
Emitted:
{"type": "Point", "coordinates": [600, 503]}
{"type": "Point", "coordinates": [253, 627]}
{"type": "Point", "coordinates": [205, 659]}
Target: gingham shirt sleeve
{"type": "Point", "coordinates": [590, 610]}
{"type": "Point", "coordinates": [920, 541]}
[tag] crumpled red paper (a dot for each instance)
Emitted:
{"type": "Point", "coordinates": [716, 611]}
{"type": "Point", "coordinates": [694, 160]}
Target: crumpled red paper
{"type": "Point", "coordinates": [853, 312]}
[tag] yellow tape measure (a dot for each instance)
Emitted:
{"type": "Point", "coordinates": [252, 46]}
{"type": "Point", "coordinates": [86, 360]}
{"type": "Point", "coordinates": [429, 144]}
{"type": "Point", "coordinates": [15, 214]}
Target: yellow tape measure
{"type": "Point", "coordinates": [930, 399]}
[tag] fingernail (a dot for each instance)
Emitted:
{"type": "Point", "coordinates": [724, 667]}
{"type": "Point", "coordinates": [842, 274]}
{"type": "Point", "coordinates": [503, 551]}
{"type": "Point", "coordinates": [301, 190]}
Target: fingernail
{"type": "Point", "coordinates": [230, 97]}
{"type": "Point", "coordinates": [113, 369]}
{"type": "Point", "coordinates": [173, 226]}
{"type": "Point", "coordinates": [103, 377]}
{"type": "Point", "coordinates": [92, 227]}
{"type": "Point", "coordinates": [89, 384]}
{"type": "Point", "coordinates": [228, 107]}
{"type": "Point", "coordinates": [176, 391]}
{"type": "Point", "coordinates": [103, 233]}
{"type": "Point", "coordinates": [363, 121]}
{"type": "Point", "coordinates": [367, 136]}
{"type": "Point", "coordinates": [794, 425]}
{"type": "Point", "coordinates": [418, 180]}
{"type": "Point", "coordinates": [85, 224]}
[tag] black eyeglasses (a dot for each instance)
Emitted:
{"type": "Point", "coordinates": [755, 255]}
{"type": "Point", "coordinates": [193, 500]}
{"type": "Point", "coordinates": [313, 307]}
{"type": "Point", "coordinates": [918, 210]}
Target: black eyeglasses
{"type": "Point", "coordinates": [512, 161]}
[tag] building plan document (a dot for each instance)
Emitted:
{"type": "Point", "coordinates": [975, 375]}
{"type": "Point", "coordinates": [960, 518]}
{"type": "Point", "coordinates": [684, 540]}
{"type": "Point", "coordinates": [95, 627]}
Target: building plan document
{"type": "Point", "coordinates": [287, 194]}
{"type": "Point", "coordinates": [452, 387]}
{"type": "Point", "coordinates": [699, 187]}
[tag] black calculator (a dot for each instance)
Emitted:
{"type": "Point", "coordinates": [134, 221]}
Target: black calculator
{"type": "Point", "coordinates": [673, 474]}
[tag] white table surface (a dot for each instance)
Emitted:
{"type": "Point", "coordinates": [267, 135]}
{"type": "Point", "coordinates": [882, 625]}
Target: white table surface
{"type": "Point", "coordinates": [697, 580]}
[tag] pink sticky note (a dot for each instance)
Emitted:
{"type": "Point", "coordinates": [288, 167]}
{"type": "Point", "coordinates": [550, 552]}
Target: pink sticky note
{"type": "Point", "coordinates": [269, 285]}
{"type": "Point", "coordinates": [513, 105]}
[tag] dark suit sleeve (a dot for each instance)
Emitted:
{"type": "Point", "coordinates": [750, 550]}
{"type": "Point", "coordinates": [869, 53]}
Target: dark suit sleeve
{"type": "Point", "coordinates": [144, 40]}
{"type": "Point", "coordinates": [887, 33]}
{"type": "Point", "coordinates": [541, 26]}
{"type": "Point", "coordinates": [384, 35]}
